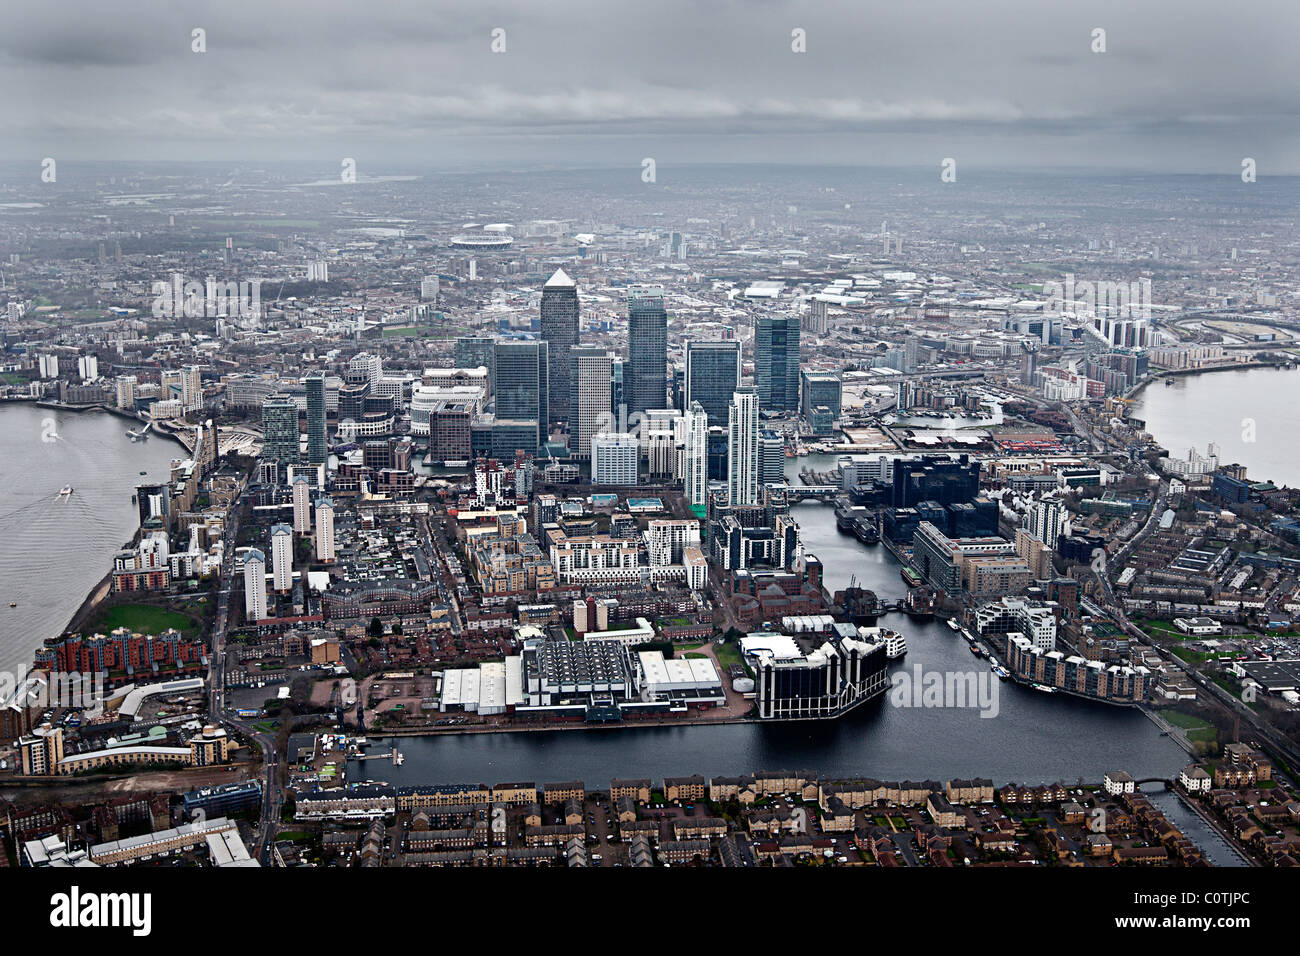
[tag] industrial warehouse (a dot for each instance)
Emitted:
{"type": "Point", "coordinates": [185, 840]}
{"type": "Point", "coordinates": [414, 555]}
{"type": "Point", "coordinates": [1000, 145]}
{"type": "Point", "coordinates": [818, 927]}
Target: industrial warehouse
{"type": "Point", "coordinates": [594, 679]}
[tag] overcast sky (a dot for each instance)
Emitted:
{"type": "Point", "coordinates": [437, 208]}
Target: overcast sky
{"type": "Point", "coordinates": [1184, 85]}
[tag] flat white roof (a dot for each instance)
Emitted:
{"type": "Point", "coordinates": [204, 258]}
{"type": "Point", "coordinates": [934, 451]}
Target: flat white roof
{"type": "Point", "coordinates": [492, 685]}
{"type": "Point", "coordinates": [781, 647]}
{"type": "Point", "coordinates": [514, 681]}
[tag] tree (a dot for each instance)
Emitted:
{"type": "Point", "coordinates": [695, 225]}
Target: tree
{"type": "Point", "coordinates": [376, 628]}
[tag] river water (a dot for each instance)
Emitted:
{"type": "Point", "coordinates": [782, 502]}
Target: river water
{"type": "Point", "coordinates": [1252, 414]}
{"type": "Point", "coordinates": [54, 549]}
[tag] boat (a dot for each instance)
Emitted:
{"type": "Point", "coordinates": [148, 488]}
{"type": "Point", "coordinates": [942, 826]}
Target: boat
{"type": "Point", "coordinates": [976, 650]}
{"type": "Point", "coordinates": [65, 491]}
{"type": "Point", "coordinates": [910, 577]}
{"type": "Point", "coordinates": [1001, 671]}
{"type": "Point", "coordinates": [1044, 688]}
{"type": "Point", "coordinates": [865, 530]}
{"type": "Point", "coordinates": [952, 623]}
{"type": "Point", "coordinates": [144, 472]}
{"type": "Point", "coordinates": [13, 603]}
{"type": "Point", "coordinates": [895, 643]}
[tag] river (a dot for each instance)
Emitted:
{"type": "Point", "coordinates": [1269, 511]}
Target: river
{"type": "Point", "coordinates": [1252, 414]}
{"type": "Point", "coordinates": [54, 549]}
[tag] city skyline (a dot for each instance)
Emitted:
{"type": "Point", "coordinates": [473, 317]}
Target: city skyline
{"type": "Point", "coordinates": [497, 435]}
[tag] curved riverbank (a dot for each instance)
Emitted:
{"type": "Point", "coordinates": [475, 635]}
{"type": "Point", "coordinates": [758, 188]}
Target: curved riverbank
{"type": "Point", "coordinates": [1251, 413]}
{"type": "Point", "coordinates": [56, 550]}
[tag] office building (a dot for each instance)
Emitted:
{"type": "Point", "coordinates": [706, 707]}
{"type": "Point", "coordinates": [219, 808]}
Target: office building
{"type": "Point", "coordinates": [776, 362]}
{"type": "Point", "coordinates": [799, 680]}
{"type": "Point", "coordinates": [476, 352]}
{"type": "Point", "coordinates": [317, 449]}
{"type": "Point", "coordinates": [591, 409]}
{"type": "Point", "coordinates": [646, 371]}
{"type": "Point", "coordinates": [365, 368]}
{"type": "Point", "coordinates": [523, 386]}
{"type": "Point", "coordinates": [560, 316]}
{"type": "Point", "coordinates": [820, 400]}
{"type": "Point", "coordinates": [981, 567]}
{"type": "Point", "coordinates": [771, 459]}
{"type": "Point", "coordinates": [942, 478]}
{"type": "Point", "coordinates": [742, 447]}
{"type": "Point", "coordinates": [712, 376]}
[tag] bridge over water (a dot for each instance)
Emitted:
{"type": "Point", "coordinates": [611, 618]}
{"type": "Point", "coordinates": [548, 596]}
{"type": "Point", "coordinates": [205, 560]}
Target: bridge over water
{"type": "Point", "coordinates": [826, 493]}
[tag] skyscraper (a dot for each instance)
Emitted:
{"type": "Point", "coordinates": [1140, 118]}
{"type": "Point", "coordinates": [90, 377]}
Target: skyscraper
{"type": "Point", "coordinates": [742, 450]}
{"type": "Point", "coordinates": [591, 402]}
{"type": "Point", "coordinates": [254, 585]}
{"type": "Point", "coordinates": [1047, 521]}
{"type": "Point", "coordinates": [282, 558]}
{"type": "Point", "coordinates": [523, 384]}
{"type": "Point", "coordinates": [317, 448]}
{"type": "Point", "coordinates": [820, 400]}
{"type": "Point", "coordinates": [560, 311]}
{"type": "Point", "coordinates": [280, 430]}
{"type": "Point", "coordinates": [771, 458]}
{"type": "Point", "coordinates": [658, 436]}
{"type": "Point", "coordinates": [476, 352]}
{"type": "Point", "coordinates": [692, 453]}
{"type": "Point", "coordinates": [191, 388]}
{"type": "Point", "coordinates": [712, 374]}
{"type": "Point", "coordinates": [776, 362]}
{"type": "Point", "coordinates": [325, 530]}
{"type": "Point", "coordinates": [301, 505]}
{"type": "Point", "coordinates": [646, 374]}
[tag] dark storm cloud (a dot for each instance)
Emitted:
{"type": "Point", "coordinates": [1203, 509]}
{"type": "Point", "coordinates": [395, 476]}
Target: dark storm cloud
{"type": "Point", "coordinates": [1183, 83]}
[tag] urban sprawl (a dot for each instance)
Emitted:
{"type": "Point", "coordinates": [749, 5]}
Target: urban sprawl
{"type": "Point", "coordinates": [443, 467]}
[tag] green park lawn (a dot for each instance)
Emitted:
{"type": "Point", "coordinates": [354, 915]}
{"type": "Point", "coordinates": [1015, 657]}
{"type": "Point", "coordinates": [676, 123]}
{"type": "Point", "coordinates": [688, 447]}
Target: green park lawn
{"type": "Point", "coordinates": [143, 619]}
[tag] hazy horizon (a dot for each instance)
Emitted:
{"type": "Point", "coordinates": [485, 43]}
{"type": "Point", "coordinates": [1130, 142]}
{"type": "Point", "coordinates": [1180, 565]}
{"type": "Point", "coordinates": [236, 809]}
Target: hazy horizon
{"type": "Point", "coordinates": [1186, 87]}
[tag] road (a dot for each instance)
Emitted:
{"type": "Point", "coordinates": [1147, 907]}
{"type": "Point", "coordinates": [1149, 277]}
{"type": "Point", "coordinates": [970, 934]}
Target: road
{"type": "Point", "coordinates": [219, 705]}
{"type": "Point", "coordinates": [1115, 607]}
